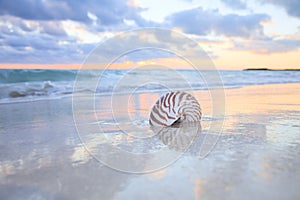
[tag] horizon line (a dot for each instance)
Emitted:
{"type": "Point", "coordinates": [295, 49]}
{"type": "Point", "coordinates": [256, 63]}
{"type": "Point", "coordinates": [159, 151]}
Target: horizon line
{"type": "Point", "coordinates": [125, 66]}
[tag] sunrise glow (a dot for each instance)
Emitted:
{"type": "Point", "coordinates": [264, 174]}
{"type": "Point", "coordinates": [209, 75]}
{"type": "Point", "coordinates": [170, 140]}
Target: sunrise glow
{"type": "Point", "coordinates": [235, 34]}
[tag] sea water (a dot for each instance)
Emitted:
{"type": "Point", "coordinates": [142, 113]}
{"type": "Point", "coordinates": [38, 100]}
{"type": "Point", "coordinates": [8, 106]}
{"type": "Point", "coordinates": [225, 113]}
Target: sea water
{"type": "Point", "coordinates": [26, 85]}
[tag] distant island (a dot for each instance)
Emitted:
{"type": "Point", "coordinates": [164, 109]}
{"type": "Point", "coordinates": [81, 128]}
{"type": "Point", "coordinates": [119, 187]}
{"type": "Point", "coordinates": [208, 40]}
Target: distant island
{"type": "Point", "coordinates": [267, 69]}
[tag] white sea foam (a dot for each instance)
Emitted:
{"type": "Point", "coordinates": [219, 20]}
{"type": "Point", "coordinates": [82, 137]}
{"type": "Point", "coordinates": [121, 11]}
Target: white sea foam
{"type": "Point", "coordinates": [22, 85]}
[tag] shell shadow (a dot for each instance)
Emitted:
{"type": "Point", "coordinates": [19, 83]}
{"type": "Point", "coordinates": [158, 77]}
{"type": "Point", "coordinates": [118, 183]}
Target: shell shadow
{"type": "Point", "coordinates": [180, 136]}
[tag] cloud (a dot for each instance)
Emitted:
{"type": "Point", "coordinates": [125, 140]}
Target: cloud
{"type": "Point", "coordinates": [145, 44]}
{"type": "Point", "coordinates": [10, 26]}
{"type": "Point", "coordinates": [202, 22]}
{"type": "Point", "coordinates": [105, 12]}
{"type": "Point", "coordinates": [37, 31]}
{"type": "Point", "coordinates": [24, 41]}
{"type": "Point", "coordinates": [138, 45]}
{"type": "Point", "coordinates": [42, 50]}
{"type": "Point", "coordinates": [53, 28]}
{"type": "Point", "coordinates": [268, 46]}
{"type": "Point", "coordinates": [292, 7]}
{"type": "Point", "coordinates": [235, 4]}
{"type": "Point", "coordinates": [65, 31]}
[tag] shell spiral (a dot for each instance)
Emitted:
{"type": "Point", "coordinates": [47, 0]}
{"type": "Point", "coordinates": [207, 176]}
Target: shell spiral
{"type": "Point", "coordinates": [175, 107]}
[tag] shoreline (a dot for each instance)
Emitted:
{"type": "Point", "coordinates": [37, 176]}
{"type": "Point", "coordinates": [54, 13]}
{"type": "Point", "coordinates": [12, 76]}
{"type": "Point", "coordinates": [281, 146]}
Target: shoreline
{"type": "Point", "coordinates": [265, 85]}
{"type": "Point", "coordinates": [42, 145]}
{"type": "Point", "coordinates": [269, 69]}
{"type": "Point", "coordinates": [24, 100]}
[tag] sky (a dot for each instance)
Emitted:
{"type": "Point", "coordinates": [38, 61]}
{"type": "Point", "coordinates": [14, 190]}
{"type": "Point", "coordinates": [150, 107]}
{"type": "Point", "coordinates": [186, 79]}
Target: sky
{"type": "Point", "coordinates": [235, 34]}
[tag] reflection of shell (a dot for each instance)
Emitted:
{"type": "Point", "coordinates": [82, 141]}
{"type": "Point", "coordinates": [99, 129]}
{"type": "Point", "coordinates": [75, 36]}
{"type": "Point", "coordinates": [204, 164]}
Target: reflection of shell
{"type": "Point", "coordinates": [175, 107]}
{"type": "Point", "coordinates": [179, 137]}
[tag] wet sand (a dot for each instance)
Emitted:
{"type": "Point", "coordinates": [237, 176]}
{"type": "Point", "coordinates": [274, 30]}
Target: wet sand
{"type": "Point", "coordinates": [256, 157]}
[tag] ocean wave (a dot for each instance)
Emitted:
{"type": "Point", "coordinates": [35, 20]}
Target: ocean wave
{"type": "Point", "coordinates": [34, 89]}
{"type": "Point", "coordinates": [26, 75]}
{"type": "Point", "coordinates": [22, 85]}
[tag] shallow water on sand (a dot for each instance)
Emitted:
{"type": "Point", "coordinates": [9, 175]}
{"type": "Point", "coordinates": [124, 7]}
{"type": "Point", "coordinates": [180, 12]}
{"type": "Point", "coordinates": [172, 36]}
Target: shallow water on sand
{"type": "Point", "coordinates": [256, 157]}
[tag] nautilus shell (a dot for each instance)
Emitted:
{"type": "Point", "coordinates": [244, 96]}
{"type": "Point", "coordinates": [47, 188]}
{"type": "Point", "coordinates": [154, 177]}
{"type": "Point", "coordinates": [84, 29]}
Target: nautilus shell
{"type": "Point", "coordinates": [175, 107]}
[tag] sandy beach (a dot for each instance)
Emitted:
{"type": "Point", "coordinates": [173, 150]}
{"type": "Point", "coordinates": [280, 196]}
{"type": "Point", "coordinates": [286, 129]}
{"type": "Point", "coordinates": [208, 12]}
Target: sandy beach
{"type": "Point", "coordinates": [256, 157]}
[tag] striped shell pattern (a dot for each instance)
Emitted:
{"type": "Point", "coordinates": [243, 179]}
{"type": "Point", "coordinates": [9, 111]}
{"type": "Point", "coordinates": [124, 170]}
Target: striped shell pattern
{"type": "Point", "coordinates": [175, 107]}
